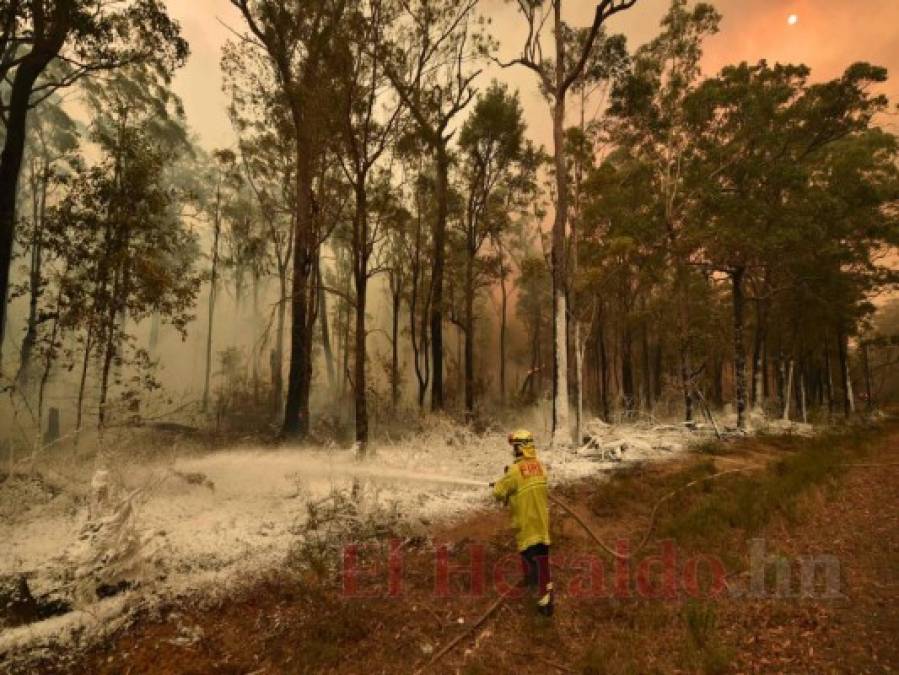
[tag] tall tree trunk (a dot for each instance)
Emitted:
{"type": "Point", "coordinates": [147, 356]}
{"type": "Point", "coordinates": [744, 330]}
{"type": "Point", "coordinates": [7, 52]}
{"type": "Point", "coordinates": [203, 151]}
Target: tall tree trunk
{"type": "Point", "coordinates": [536, 362]}
{"type": "Point", "coordinates": [469, 324]}
{"type": "Point", "coordinates": [579, 346]}
{"type": "Point", "coordinates": [788, 390]}
{"type": "Point", "coordinates": [345, 379]}
{"type": "Point", "coordinates": [869, 394]}
{"type": "Point", "coordinates": [561, 428]}
{"type": "Point", "coordinates": [27, 73]}
{"type": "Point", "coordinates": [828, 376]}
{"type": "Point", "coordinates": [843, 351]}
{"type": "Point", "coordinates": [50, 354]}
{"type": "Point", "coordinates": [360, 278]}
{"type": "Point", "coordinates": [254, 348]}
{"type": "Point", "coordinates": [503, 318]}
{"type": "Point", "coordinates": [396, 300]}
{"type": "Point", "coordinates": [781, 378]}
{"type": "Point", "coordinates": [418, 339]}
{"type": "Point", "coordinates": [360, 393]}
{"type": "Point", "coordinates": [296, 407]}
{"type": "Point", "coordinates": [277, 360]}
{"type": "Point", "coordinates": [758, 372]}
{"type": "Point", "coordinates": [213, 283]}
{"type": "Point", "coordinates": [803, 405]}
{"type": "Point", "coordinates": [736, 276]}
{"type": "Point", "coordinates": [326, 333]}
{"type": "Point", "coordinates": [416, 349]}
{"type": "Point", "coordinates": [685, 366]}
{"type": "Point", "coordinates": [627, 370]}
{"type": "Point", "coordinates": [604, 373]}
{"type": "Point", "coordinates": [439, 237]}
{"type": "Point", "coordinates": [35, 281]}
{"type": "Point", "coordinates": [415, 282]}
{"type": "Point", "coordinates": [647, 368]}
{"type": "Point", "coordinates": [718, 381]}
{"type": "Point", "coordinates": [112, 339]}
{"type": "Point", "coordinates": [109, 351]}
{"type": "Point", "coordinates": [658, 369]}
{"type": "Point", "coordinates": [686, 384]}
{"type": "Point", "coordinates": [82, 380]}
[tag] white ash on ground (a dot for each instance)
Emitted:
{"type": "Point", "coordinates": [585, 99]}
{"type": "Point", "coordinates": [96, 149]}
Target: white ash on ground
{"type": "Point", "coordinates": [206, 521]}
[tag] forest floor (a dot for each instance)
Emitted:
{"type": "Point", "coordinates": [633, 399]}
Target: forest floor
{"type": "Point", "coordinates": [718, 588]}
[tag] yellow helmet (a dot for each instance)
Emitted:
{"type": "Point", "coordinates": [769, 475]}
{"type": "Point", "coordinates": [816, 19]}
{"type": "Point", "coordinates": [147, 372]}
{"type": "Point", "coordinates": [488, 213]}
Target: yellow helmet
{"type": "Point", "coordinates": [522, 443]}
{"type": "Point", "coordinates": [521, 437]}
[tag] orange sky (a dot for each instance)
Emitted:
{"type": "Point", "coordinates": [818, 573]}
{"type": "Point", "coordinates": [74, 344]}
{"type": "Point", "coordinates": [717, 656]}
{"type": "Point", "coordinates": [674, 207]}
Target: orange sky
{"type": "Point", "coordinates": [830, 35]}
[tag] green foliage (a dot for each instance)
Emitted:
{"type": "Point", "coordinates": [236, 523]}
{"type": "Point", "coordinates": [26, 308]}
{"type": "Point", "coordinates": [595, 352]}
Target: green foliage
{"type": "Point", "coordinates": [703, 648]}
{"type": "Point", "coordinates": [748, 502]}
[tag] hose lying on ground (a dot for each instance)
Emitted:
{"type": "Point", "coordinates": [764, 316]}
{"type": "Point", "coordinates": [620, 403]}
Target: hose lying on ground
{"type": "Point", "coordinates": [620, 556]}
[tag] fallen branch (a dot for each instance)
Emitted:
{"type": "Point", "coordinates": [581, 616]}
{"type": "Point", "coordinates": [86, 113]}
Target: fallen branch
{"type": "Point", "coordinates": [501, 600]}
{"type": "Point", "coordinates": [468, 631]}
{"type": "Point", "coordinates": [652, 522]}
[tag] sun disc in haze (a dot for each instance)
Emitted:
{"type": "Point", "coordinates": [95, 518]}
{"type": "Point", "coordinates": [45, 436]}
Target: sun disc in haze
{"type": "Point", "coordinates": [793, 19]}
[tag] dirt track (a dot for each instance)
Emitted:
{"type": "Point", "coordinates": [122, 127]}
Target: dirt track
{"type": "Point", "coordinates": [304, 623]}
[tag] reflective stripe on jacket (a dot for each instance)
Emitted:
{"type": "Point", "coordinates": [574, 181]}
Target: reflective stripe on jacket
{"type": "Point", "coordinates": [523, 487]}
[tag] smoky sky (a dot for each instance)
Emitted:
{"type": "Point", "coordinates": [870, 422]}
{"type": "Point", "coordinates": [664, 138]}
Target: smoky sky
{"type": "Point", "coordinates": [830, 35]}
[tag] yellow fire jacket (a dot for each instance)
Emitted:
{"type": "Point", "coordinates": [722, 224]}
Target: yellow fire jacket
{"type": "Point", "coordinates": [523, 487]}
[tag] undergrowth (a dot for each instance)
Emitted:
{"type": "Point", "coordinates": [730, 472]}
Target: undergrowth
{"type": "Point", "coordinates": [714, 517]}
{"type": "Point", "coordinates": [747, 502]}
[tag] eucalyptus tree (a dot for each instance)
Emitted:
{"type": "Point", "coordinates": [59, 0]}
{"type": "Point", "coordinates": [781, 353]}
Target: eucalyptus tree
{"type": "Point", "coordinates": [491, 146]}
{"type": "Point", "coordinates": [221, 174]}
{"type": "Point", "coordinates": [133, 107]}
{"type": "Point", "coordinates": [646, 116]}
{"type": "Point", "coordinates": [82, 37]}
{"type": "Point", "coordinates": [267, 160]}
{"type": "Point", "coordinates": [130, 255]}
{"type": "Point", "coordinates": [844, 223]}
{"type": "Point", "coordinates": [557, 73]}
{"type": "Point", "coordinates": [430, 57]}
{"type": "Point", "coordinates": [759, 129]}
{"type": "Point", "coordinates": [534, 294]}
{"type": "Point", "coordinates": [419, 186]}
{"type": "Point", "coordinates": [607, 64]}
{"type": "Point", "coordinates": [522, 200]}
{"type": "Point", "coordinates": [301, 42]}
{"type": "Point", "coordinates": [399, 270]}
{"type": "Point", "coordinates": [52, 154]}
{"type": "Point", "coordinates": [368, 125]}
{"type": "Point", "coordinates": [621, 247]}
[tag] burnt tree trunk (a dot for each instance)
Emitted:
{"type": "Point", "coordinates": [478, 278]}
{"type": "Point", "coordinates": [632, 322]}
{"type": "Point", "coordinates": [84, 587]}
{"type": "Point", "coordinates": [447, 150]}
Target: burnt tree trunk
{"type": "Point", "coordinates": [26, 75]}
{"type": "Point", "coordinates": [471, 252]}
{"type": "Point", "coordinates": [604, 374]}
{"type": "Point", "coordinates": [360, 277]}
{"type": "Point", "coordinates": [503, 319]}
{"type": "Point", "coordinates": [439, 236]}
{"type": "Point", "coordinates": [213, 282]}
{"type": "Point", "coordinates": [736, 276]}
{"type": "Point", "coordinates": [296, 407]}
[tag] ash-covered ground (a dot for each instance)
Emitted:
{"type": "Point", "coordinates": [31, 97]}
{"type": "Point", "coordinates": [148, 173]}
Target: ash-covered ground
{"type": "Point", "coordinates": [148, 530]}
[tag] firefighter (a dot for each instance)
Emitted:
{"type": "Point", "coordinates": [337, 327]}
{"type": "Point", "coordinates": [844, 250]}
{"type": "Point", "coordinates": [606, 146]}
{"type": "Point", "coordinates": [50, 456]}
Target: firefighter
{"type": "Point", "coordinates": [523, 488]}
